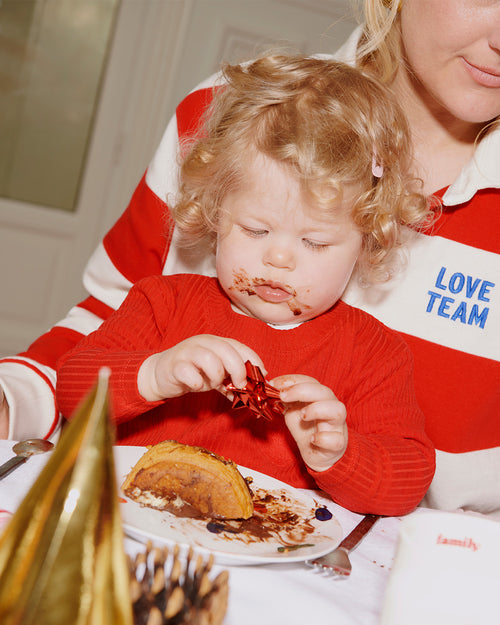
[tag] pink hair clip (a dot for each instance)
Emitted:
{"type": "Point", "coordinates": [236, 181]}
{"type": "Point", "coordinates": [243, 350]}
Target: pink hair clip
{"type": "Point", "coordinates": [377, 168]}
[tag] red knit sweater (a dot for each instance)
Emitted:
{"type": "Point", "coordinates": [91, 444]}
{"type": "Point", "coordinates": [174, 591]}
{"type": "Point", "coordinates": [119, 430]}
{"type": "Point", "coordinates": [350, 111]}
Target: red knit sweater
{"type": "Point", "coordinates": [389, 461]}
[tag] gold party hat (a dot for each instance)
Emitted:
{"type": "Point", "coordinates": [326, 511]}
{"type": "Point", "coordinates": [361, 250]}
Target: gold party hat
{"type": "Point", "coordinates": [62, 558]}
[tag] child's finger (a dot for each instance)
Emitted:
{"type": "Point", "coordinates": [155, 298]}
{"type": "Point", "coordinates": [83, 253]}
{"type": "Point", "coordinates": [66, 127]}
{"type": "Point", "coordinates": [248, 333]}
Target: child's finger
{"type": "Point", "coordinates": [283, 382]}
{"type": "Point", "coordinates": [234, 361]}
{"type": "Point", "coordinates": [214, 357]}
{"type": "Point", "coordinates": [308, 391]}
{"type": "Point", "coordinates": [330, 441]}
{"type": "Point", "coordinates": [220, 361]}
{"type": "Point", "coordinates": [331, 411]}
{"type": "Point", "coordinates": [201, 368]}
{"type": "Point", "coordinates": [188, 375]}
{"type": "Point", "coordinates": [247, 353]}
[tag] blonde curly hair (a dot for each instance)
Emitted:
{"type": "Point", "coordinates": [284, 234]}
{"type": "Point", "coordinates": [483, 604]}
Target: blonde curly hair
{"type": "Point", "coordinates": [324, 122]}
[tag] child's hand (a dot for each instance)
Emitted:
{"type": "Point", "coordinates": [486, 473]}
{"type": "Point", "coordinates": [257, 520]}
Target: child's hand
{"type": "Point", "coordinates": [199, 363]}
{"type": "Point", "coordinates": [315, 418]}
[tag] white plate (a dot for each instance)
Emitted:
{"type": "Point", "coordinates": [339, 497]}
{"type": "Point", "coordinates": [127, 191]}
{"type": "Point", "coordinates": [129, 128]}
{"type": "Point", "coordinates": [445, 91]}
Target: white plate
{"type": "Point", "coordinates": [144, 523]}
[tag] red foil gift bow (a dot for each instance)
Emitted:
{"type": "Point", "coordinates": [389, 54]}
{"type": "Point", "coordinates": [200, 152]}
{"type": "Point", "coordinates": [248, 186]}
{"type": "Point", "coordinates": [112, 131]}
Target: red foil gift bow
{"type": "Point", "coordinates": [257, 395]}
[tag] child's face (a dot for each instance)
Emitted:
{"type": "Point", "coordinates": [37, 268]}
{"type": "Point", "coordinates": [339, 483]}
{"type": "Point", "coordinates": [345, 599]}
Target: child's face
{"type": "Point", "coordinates": [275, 260]}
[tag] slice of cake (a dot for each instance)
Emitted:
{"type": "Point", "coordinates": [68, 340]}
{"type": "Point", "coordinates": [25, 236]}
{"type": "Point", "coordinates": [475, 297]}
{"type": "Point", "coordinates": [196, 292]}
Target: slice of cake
{"type": "Point", "coordinates": [189, 481]}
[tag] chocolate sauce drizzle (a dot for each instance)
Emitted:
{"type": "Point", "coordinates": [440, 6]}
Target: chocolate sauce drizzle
{"type": "Point", "coordinates": [275, 518]}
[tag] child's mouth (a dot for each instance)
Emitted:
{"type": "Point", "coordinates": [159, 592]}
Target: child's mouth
{"type": "Point", "coordinates": [272, 292]}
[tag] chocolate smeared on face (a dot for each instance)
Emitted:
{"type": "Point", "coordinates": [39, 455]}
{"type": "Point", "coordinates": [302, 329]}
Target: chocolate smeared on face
{"type": "Point", "coordinates": [292, 305]}
{"type": "Point", "coordinates": [244, 284]}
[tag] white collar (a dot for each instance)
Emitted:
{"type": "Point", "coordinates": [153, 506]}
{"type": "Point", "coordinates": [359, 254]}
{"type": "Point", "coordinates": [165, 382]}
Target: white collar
{"type": "Point", "coordinates": [481, 172]}
{"type": "Point", "coordinates": [276, 326]}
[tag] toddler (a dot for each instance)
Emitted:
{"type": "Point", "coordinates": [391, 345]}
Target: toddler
{"type": "Point", "coordinates": [298, 177]}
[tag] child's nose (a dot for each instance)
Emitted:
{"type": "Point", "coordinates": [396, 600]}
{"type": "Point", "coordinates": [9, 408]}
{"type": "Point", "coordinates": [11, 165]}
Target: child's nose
{"type": "Point", "coordinates": [280, 256]}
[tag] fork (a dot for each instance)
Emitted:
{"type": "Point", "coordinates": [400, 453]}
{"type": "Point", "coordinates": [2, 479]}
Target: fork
{"type": "Point", "coordinates": [336, 563]}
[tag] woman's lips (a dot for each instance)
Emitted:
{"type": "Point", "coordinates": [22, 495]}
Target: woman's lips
{"type": "Point", "coordinates": [484, 76]}
{"type": "Point", "coordinates": [272, 292]}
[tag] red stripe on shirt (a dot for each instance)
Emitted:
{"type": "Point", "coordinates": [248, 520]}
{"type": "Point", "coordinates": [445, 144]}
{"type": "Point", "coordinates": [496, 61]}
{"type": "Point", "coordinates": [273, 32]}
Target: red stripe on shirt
{"type": "Point", "coordinates": [47, 348]}
{"type": "Point", "coordinates": [143, 230]}
{"type": "Point", "coordinates": [463, 413]}
{"type": "Point", "coordinates": [461, 223]}
{"type": "Point", "coordinates": [190, 111]}
{"type": "Point", "coordinates": [96, 307]}
{"type": "Point", "coordinates": [48, 381]}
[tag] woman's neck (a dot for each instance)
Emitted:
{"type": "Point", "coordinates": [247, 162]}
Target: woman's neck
{"type": "Point", "coordinates": [442, 144]}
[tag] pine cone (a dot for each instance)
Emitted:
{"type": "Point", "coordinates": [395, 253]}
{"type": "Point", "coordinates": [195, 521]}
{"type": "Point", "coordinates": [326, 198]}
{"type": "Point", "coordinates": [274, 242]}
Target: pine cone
{"type": "Point", "coordinates": [185, 596]}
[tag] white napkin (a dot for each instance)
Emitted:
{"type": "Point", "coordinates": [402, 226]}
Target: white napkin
{"type": "Point", "coordinates": [446, 570]}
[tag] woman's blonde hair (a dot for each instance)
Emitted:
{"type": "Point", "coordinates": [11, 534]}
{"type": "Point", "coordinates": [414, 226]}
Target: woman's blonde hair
{"type": "Point", "coordinates": [323, 121]}
{"type": "Point", "coordinates": [379, 50]}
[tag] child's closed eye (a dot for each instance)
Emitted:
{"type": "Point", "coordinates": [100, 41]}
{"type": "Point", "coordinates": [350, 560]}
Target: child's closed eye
{"type": "Point", "coordinates": [316, 245]}
{"type": "Point", "coordinates": [254, 232]}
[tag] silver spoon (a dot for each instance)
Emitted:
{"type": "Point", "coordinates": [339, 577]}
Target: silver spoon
{"type": "Point", "coordinates": [23, 450]}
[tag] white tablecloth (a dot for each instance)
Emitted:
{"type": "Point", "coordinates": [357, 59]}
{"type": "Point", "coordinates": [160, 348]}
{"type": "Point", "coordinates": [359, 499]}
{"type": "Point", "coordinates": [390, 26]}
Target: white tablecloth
{"type": "Point", "coordinates": [290, 594]}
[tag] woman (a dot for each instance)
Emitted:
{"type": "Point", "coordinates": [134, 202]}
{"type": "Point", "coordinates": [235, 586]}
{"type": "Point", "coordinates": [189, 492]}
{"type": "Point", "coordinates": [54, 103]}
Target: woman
{"type": "Point", "coordinates": [449, 87]}
{"type": "Point", "coordinates": [442, 59]}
